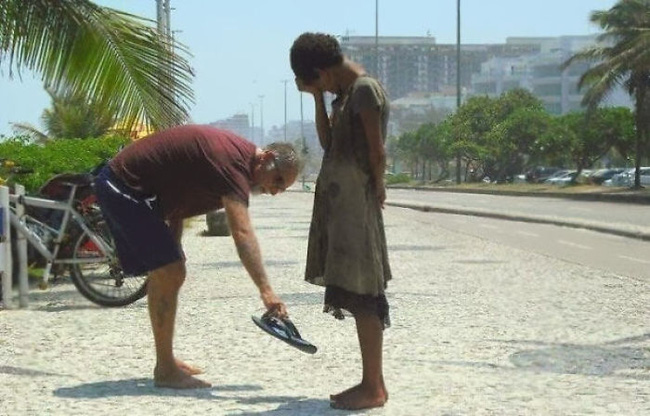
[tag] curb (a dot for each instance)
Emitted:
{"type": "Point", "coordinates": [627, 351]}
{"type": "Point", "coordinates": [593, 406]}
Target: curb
{"type": "Point", "coordinates": [629, 198]}
{"type": "Point", "coordinates": [603, 228]}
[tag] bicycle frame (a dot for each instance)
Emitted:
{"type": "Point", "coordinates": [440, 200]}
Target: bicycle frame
{"type": "Point", "coordinates": [69, 213]}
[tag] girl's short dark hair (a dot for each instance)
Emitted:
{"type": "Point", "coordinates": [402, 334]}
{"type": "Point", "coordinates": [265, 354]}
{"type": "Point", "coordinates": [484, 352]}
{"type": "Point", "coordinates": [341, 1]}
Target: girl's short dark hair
{"type": "Point", "coordinates": [312, 51]}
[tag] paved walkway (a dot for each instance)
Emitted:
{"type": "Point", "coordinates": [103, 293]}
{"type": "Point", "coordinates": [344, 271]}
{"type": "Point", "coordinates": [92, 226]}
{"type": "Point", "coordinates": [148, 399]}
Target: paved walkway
{"type": "Point", "coordinates": [478, 329]}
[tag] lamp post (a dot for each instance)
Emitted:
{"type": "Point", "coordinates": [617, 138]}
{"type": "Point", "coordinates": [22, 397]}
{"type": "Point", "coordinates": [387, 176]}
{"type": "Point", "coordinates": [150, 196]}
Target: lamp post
{"type": "Point", "coordinates": [377, 38]}
{"type": "Point", "coordinates": [302, 137]}
{"type": "Point", "coordinates": [285, 108]}
{"type": "Point", "coordinates": [262, 119]}
{"type": "Point", "coordinates": [252, 122]}
{"type": "Point", "coordinates": [458, 97]}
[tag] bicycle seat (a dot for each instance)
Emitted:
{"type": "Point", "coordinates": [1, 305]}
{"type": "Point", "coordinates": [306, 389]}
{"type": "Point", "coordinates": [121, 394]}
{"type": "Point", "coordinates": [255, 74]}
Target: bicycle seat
{"type": "Point", "coordinates": [58, 186]}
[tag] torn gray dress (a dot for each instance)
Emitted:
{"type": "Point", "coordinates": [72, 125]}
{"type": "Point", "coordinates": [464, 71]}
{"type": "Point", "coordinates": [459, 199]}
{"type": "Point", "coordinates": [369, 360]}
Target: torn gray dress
{"type": "Point", "coordinates": [347, 250]}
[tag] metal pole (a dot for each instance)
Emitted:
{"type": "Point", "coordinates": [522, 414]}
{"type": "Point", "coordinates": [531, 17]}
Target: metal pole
{"type": "Point", "coordinates": [160, 17]}
{"type": "Point", "coordinates": [458, 97]}
{"type": "Point", "coordinates": [302, 137]}
{"type": "Point", "coordinates": [262, 119]}
{"type": "Point", "coordinates": [168, 13]}
{"type": "Point", "coordinates": [21, 249]}
{"type": "Point", "coordinates": [5, 248]}
{"type": "Point", "coordinates": [285, 109]}
{"type": "Point", "coordinates": [253, 122]}
{"type": "Point", "coordinates": [377, 38]}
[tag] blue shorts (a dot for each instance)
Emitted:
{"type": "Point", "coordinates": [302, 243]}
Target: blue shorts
{"type": "Point", "coordinates": [143, 240]}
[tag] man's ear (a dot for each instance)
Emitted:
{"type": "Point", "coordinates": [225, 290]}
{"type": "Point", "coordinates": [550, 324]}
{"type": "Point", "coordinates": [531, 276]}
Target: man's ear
{"type": "Point", "coordinates": [267, 155]}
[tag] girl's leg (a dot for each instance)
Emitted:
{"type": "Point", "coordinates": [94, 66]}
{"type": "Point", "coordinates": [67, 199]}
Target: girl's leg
{"type": "Point", "coordinates": [371, 392]}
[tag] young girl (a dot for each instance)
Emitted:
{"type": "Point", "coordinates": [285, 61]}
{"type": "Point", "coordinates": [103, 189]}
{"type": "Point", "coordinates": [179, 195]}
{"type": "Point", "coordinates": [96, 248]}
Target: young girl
{"type": "Point", "coordinates": [347, 245]}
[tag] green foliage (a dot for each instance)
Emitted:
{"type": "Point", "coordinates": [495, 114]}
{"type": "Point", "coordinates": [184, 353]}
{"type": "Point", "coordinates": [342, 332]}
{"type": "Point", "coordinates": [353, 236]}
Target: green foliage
{"type": "Point", "coordinates": [392, 179]}
{"type": "Point", "coordinates": [586, 137]}
{"type": "Point", "coordinates": [106, 55]}
{"type": "Point", "coordinates": [54, 157]}
{"type": "Point", "coordinates": [71, 116]}
{"type": "Point", "coordinates": [622, 58]}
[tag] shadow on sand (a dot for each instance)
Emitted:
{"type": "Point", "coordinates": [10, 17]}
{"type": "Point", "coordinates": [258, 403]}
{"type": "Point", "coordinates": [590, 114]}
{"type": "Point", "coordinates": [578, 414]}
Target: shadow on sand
{"type": "Point", "coordinates": [623, 358]}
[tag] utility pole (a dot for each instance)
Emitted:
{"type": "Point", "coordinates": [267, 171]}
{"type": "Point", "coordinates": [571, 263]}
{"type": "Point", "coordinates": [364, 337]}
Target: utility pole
{"type": "Point", "coordinates": [252, 122]}
{"type": "Point", "coordinates": [377, 39]}
{"type": "Point", "coordinates": [302, 136]}
{"type": "Point", "coordinates": [458, 92]}
{"type": "Point", "coordinates": [285, 109]}
{"type": "Point", "coordinates": [262, 119]}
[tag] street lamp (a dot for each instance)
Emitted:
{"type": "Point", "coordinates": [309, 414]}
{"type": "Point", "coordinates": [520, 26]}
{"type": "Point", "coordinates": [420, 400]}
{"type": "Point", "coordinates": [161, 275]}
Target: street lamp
{"type": "Point", "coordinates": [252, 122]}
{"type": "Point", "coordinates": [377, 38]}
{"type": "Point", "coordinates": [285, 108]}
{"type": "Point", "coordinates": [262, 119]}
{"type": "Point", "coordinates": [302, 136]}
{"type": "Point", "coordinates": [458, 98]}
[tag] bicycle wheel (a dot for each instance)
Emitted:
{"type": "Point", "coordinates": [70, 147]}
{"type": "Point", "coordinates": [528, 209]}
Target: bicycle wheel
{"type": "Point", "coordinates": [103, 282]}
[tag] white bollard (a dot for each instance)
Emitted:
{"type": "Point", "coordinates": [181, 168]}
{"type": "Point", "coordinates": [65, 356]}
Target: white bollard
{"type": "Point", "coordinates": [5, 247]}
{"type": "Point", "coordinates": [21, 248]}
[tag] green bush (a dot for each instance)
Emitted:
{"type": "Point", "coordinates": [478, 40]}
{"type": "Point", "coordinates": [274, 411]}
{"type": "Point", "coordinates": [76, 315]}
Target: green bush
{"type": "Point", "coordinates": [57, 156]}
{"type": "Point", "coordinates": [393, 178]}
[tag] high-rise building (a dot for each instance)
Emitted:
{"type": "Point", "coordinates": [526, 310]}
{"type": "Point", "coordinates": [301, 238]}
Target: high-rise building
{"type": "Point", "coordinates": [541, 73]}
{"type": "Point", "coordinates": [240, 125]}
{"type": "Point", "coordinates": [406, 65]}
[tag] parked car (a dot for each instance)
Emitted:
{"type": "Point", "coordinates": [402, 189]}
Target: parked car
{"type": "Point", "coordinates": [539, 174]}
{"type": "Point", "coordinates": [601, 175]}
{"type": "Point", "coordinates": [562, 177]}
{"type": "Point", "coordinates": [626, 178]}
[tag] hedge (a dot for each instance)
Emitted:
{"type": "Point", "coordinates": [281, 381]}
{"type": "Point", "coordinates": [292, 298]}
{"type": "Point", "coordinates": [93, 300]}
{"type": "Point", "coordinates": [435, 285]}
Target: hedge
{"type": "Point", "coordinates": [56, 156]}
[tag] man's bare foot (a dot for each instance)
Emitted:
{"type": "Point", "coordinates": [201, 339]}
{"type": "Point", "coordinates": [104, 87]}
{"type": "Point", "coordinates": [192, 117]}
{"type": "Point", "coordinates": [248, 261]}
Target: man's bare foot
{"type": "Point", "coordinates": [187, 368]}
{"type": "Point", "coordinates": [360, 397]}
{"type": "Point", "coordinates": [177, 379]}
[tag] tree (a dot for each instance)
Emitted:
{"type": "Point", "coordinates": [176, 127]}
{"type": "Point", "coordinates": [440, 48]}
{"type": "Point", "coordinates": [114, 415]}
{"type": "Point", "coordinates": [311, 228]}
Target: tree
{"type": "Point", "coordinates": [623, 58]}
{"type": "Point", "coordinates": [512, 140]}
{"type": "Point", "coordinates": [585, 137]}
{"type": "Point", "coordinates": [116, 59]}
{"type": "Point", "coordinates": [70, 116]}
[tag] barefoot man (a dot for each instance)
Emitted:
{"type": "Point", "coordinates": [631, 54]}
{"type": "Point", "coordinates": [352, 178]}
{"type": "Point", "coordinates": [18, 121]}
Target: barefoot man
{"type": "Point", "coordinates": [150, 186]}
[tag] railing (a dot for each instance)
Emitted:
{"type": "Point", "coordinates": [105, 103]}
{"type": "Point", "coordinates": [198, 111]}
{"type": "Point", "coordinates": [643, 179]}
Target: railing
{"type": "Point", "coordinates": [6, 266]}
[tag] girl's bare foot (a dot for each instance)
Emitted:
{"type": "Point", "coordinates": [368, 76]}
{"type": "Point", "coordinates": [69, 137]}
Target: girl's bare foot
{"type": "Point", "coordinates": [360, 397]}
{"type": "Point", "coordinates": [176, 378]}
{"type": "Point", "coordinates": [187, 368]}
{"type": "Point", "coordinates": [335, 397]}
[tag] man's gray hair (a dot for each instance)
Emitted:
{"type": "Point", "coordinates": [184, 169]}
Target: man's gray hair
{"type": "Point", "coordinates": [287, 158]}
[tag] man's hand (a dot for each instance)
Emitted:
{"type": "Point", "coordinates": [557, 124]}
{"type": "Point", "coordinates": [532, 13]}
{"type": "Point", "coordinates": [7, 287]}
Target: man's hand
{"type": "Point", "coordinates": [273, 304]}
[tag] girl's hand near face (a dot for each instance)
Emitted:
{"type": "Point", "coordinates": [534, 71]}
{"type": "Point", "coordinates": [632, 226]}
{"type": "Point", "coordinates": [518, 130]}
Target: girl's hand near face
{"type": "Point", "coordinates": [311, 89]}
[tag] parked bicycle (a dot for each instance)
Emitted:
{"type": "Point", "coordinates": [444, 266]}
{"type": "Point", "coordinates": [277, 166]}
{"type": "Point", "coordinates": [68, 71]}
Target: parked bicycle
{"type": "Point", "coordinates": [65, 226]}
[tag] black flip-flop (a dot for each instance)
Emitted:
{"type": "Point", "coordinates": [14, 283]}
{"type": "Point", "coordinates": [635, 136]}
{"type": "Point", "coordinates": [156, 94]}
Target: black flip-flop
{"type": "Point", "coordinates": [283, 329]}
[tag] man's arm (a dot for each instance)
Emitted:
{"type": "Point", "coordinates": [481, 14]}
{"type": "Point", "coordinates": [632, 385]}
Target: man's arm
{"type": "Point", "coordinates": [371, 121]}
{"type": "Point", "coordinates": [250, 253]}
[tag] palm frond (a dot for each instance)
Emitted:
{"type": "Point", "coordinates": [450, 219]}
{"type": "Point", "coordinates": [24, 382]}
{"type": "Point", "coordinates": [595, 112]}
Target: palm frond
{"type": "Point", "coordinates": [113, 57]}
{"type": "Point", "coordinates": [31, 131]}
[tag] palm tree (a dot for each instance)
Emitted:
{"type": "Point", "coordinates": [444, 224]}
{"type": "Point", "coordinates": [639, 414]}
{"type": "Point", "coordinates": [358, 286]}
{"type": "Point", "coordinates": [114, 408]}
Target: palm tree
{"type": "Point", "coordinates": [623, 59]}
{"type": "Point", "coordinates": [115, 59]}
{"type": "Point", "coordinates": [70, 116]}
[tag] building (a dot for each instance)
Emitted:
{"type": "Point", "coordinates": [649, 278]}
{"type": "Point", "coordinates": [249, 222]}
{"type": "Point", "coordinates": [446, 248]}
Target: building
{"type": "Point", "coordinates": [542, 73]}
{"type": "Point", "coordinates": [240, 125]}
{"type": "Point", "coordinates": [406, 65]}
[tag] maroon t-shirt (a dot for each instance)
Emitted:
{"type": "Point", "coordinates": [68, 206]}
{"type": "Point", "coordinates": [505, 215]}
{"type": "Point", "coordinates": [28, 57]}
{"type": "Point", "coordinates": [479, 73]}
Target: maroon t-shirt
{"type": "Point", "coordinates": [189, 168]}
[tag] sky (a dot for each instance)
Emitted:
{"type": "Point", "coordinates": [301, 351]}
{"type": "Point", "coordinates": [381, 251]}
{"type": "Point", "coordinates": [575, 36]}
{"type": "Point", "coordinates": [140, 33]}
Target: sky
{"type": "Point", "coordinates": [240, 48]}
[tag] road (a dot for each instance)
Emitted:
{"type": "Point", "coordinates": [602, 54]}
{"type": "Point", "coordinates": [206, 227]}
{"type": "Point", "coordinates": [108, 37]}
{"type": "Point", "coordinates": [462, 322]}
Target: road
{"type": "Point", "coordinates": [620, 255]}
{"type": "Point", "coordinates": [624, 214]}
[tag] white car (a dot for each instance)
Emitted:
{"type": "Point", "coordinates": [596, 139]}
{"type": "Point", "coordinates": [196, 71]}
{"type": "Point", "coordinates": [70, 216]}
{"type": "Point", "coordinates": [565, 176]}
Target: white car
{"type": "Point", "coordinates": [626, 178]}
